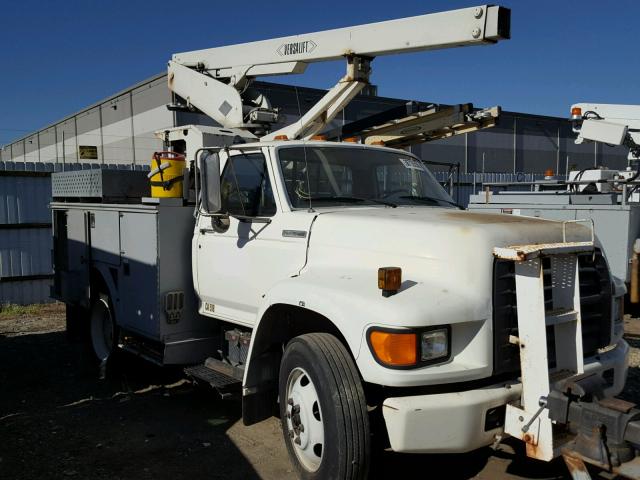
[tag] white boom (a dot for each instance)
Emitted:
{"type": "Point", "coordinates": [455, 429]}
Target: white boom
{"type": "Point", "coordinates": [216, 80]}
{"type": "Point", "coordinates": [608, 123]}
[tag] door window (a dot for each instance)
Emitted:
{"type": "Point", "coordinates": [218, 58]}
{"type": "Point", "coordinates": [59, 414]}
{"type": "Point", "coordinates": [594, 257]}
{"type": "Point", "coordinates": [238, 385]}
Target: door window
{"type": "Point", "coordinates": [245, 187]}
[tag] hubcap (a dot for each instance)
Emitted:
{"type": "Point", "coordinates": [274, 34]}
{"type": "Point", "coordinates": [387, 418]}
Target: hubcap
{"type": "Point", "coordinates": [304, 419]}
{"type": "Point", "coordinates": [101, 330]}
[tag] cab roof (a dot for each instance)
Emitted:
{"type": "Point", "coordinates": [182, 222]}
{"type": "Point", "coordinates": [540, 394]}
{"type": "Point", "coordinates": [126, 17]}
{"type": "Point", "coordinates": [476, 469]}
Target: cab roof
{"type": "Point", "coordinates": [323, 143]}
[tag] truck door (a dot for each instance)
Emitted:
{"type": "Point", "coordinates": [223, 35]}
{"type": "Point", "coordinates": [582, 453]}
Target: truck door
{"type": "Point", "coordinates": [241, 257]}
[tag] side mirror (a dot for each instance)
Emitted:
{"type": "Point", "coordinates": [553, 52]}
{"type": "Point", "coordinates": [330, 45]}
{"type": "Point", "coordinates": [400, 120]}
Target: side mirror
{"type": "Point", "coordinates": [210, 176]}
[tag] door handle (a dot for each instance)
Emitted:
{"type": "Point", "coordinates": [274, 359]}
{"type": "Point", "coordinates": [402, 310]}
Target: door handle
{"type": "Point", "coordinates": [207, 230]}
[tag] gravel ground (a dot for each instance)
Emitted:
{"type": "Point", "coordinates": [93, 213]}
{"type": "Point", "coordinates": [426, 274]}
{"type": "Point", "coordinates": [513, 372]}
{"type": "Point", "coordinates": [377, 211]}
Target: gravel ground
{"type": "Point", "coordinates": [33, 319]}
{"type": "Point", "coordinates": [59, 421]}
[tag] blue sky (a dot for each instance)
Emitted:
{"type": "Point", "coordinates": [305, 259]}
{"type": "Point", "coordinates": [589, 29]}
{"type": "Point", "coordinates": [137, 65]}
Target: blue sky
{"type": "Point", "coordinates": [58, 57]}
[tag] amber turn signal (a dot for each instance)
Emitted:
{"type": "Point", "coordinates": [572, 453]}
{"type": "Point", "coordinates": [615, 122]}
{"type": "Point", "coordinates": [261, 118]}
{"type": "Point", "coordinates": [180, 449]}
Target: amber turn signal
{"type": "Point", "coordinates": [389, 280]}
{"type": "Point", "coordinates": [394, 349]}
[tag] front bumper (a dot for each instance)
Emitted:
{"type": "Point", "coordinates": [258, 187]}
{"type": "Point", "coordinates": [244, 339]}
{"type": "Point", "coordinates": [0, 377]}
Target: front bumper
{"type": "Point", "coordinates": [455, 422]}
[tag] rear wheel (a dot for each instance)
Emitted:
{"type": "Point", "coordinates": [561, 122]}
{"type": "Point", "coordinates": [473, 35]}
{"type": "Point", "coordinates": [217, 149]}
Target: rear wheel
{"type": "Point", "coordinates": [323, 409]}
{"type": "Point", "coordinates": [103, 329]}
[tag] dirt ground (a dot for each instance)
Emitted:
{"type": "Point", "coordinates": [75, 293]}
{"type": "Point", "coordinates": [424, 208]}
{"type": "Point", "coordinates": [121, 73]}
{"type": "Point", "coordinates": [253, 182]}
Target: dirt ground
{"type": "Point", "coordinates": [59, 421]}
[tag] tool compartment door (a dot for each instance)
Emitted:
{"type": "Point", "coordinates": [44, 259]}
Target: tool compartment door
{"type": "Point", "coordinates": [105, 237]}
{"type": "Point", "coordinates": [138, 273]}
{"type": "Point", "coordinates": [71, 244]}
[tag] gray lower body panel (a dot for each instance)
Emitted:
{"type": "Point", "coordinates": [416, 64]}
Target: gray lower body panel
{"type": "Point", "coordinates": [142, 255]}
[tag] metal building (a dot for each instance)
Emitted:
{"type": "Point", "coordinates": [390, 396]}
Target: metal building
{"type": "Point", "coordinates": [119, 130]}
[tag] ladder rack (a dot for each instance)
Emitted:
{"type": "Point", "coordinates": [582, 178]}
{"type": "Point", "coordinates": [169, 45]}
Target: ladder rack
{"type": "Point", "coordinates": [529, 420]}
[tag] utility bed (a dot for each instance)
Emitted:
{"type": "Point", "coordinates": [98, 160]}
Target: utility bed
{"type": "Point", "coordinates": [142, 252]}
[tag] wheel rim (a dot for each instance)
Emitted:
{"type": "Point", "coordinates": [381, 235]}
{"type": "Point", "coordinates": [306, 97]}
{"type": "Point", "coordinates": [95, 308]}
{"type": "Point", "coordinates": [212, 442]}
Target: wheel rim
{"type": "Point", "coordinates": [101, 330]}
{"type": "Point", "coordinates": [304, 419]}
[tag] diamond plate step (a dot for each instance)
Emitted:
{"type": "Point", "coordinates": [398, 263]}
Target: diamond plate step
{"type": "Point", "coordinates": [214, 378]}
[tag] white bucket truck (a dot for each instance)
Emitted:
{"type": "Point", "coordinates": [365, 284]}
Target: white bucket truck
{"type": "Point", "coordinates": [336, 283]}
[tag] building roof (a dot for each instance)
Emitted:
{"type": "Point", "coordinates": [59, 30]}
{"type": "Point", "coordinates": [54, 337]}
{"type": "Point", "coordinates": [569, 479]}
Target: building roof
{"type": "Point", "coordinates": [257, 83]}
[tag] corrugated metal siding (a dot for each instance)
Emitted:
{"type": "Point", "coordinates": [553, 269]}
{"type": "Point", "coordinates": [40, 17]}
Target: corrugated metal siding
{"type": "Point", "coordinates": [25, 233]}
{"type": "Point", "coordinates": [25, 292]}
{"type": "Point", "coordinates": [24, 199]}
{"type": "Point", "coordinates": [25, 252]}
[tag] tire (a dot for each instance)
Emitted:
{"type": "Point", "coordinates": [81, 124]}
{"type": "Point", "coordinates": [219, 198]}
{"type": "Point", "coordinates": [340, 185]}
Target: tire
{"type": "Point", "coordinates": [103, 329]}
{"type": "Point", "coordinates": [320, 386]}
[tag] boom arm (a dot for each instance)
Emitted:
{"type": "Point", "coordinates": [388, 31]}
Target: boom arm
{"type": "Point", "coordinates": [216, 80]}
{"type": "Point", "coordinates": [455, 28]}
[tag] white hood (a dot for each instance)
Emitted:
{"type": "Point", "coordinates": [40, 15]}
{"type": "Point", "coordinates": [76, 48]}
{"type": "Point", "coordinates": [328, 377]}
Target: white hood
{"type": "Point", "coordinates": [446, 252]}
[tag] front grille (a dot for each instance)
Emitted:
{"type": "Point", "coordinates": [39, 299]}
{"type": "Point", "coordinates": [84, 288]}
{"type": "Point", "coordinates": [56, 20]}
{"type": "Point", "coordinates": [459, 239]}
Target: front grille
{"type": "Point", "coordinates": [595, 306]}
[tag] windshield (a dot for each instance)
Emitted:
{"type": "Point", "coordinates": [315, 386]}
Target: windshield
{"type": "Point", "coordinates": [320, 176]}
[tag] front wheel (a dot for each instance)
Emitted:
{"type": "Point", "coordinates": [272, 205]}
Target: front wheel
{"type": "Point", "coordinates": [323, 409]}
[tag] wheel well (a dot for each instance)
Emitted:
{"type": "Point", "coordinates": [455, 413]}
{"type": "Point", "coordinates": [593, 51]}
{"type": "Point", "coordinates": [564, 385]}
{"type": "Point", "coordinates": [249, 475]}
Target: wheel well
{"type": "Point", "coordinates": [285, 322]}
{"type": "Point", "coordinates": [98, 284]}
{"type": "Point", "coordinates": [279, 324]}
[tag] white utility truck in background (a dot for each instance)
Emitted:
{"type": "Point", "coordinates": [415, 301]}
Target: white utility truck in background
{"type": "Point", "coordinates": [336, 282]}
{"type": "Point", "coordinates": [609, 123]}
{"type": "Point", "coordinates": [608, 197]}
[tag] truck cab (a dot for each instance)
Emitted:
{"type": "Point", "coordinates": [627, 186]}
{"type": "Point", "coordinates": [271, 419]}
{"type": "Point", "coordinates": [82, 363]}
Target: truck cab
{"type": "Point", "coordinates": [272, 193]}
{"type": "Point", "coordinates": [308, 233]}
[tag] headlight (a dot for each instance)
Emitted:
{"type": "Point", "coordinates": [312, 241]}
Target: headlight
{"type": "Point", "coordinates": [435, 344]}
{"type": "Point", "coordinates": [409, 348]}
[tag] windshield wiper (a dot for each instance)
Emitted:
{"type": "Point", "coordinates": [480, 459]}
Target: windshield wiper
{"type": "Point", "coordinates": [340, 198]}
{"type": "Point", "coordinates": [426, 198]}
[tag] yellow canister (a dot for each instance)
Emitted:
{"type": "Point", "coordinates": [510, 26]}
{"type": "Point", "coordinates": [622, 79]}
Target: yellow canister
{"type": "Point", "coordinates": [166, 174]}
